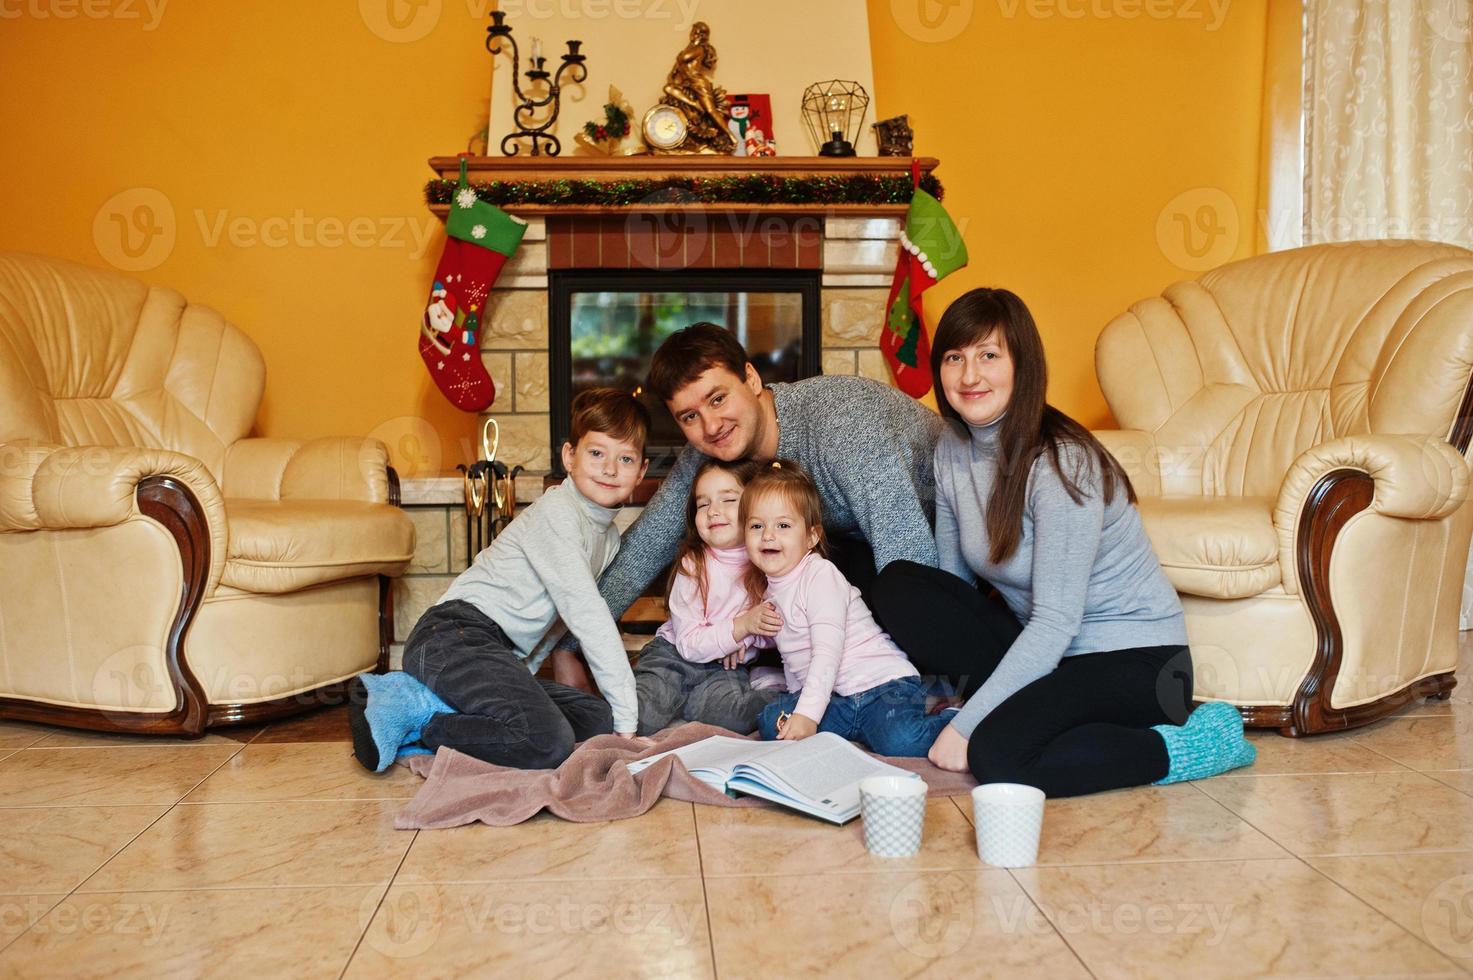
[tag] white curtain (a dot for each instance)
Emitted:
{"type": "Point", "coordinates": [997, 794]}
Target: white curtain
{"type": "Point", "coordinates": [1388, 120]}
{"type": "Point", "coordinates": [1387, 123]}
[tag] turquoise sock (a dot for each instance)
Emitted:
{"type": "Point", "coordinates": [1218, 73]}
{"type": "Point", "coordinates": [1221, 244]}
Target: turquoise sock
{"type": "Point", "coordinates": [398, 707]}
{"type": "Point", "coordinates": [1211, 742]}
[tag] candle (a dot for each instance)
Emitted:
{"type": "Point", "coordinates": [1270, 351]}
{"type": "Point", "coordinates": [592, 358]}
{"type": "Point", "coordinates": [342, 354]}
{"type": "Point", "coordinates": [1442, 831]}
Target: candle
{"type": "Point", "coordinates": [536, 48]}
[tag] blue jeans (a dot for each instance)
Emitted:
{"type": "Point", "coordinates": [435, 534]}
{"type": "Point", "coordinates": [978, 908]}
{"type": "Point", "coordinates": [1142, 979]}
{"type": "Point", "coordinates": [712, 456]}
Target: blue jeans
{"type": "Point", "coordinates": [891, 719]}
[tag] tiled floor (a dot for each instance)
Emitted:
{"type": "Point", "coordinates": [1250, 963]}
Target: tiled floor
{"type": "Point", "coordinates": [269, 852]}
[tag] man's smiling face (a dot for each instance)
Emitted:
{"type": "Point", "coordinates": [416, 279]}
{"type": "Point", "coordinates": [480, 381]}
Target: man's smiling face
{"type": "Point", "coordinates": [720, 413]}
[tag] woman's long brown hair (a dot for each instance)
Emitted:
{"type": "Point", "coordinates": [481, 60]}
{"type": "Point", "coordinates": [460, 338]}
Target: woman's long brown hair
{"type": "Point", "coordinates": [1031, 427]}
{"type": "Point", "coordinates": [785, 477]}
{"type": "Point", "coordinates": [690, 556]}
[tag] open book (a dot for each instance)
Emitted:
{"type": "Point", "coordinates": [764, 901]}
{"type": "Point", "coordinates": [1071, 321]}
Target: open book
{"type": "Point", "coordinates": [818, 775]}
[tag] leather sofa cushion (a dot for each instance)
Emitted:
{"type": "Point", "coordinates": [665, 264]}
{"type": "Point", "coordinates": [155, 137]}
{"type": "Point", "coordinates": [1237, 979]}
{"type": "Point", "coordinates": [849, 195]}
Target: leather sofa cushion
{"type": "Point", "coordinates": [1219, 547]}
{"type": "Point", "coordinates": [282, 546]}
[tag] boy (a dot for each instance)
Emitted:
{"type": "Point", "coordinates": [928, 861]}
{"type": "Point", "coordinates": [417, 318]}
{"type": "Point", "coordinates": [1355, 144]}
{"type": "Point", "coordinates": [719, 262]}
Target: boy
{"type": "Point", "coordinates": [469, 664]}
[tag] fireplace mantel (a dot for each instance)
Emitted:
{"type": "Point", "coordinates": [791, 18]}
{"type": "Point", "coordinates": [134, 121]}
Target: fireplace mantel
{"type": "Point", "coordinates": [485, 169]}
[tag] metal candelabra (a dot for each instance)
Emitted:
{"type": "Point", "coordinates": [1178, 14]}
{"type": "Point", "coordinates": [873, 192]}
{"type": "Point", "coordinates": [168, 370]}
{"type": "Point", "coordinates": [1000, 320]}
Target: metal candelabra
{"type": "Point", "coordinates": [526, 110]}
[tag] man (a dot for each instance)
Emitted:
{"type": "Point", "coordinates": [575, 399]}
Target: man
{"type": "Point", "coordinates": [867, 446]}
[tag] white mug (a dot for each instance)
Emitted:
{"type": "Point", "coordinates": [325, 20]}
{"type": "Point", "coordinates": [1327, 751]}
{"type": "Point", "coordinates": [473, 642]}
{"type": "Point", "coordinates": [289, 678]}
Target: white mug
{"type": "Point", "coordinates": [894, 813]}
{"type": "Point", "coordinates": [1008, 819]}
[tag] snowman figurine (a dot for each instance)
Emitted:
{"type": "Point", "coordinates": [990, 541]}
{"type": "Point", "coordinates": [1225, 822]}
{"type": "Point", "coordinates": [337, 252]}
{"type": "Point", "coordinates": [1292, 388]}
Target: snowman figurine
{"type": "Point", "coordinates": [740, 118]}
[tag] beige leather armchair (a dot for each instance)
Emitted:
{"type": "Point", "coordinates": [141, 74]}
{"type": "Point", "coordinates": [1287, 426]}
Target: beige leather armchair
{"type": "Point", "coordinates": [159, 571]}
{"type": "Point", "coordinates": [1295, 426]}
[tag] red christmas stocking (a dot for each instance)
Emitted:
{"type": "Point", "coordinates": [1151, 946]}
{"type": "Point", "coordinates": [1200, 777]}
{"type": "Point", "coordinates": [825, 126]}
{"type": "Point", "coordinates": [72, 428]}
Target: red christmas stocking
{"type": "Point", "coordinates": [481, 239]}
{"type": "Point", "coordinates": [931, 248]}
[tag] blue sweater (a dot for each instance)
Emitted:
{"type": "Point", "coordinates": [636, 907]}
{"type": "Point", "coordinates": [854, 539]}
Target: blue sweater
{"type": "Point", "coordinates": [1083, 578]}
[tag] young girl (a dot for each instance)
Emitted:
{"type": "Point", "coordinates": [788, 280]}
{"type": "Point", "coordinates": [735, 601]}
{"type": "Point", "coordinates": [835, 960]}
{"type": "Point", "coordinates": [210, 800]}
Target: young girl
{"type": "Point", "coordinates": [1083, 682]}
{"type": "Point", "coordinates": [695, 667]}
{"type": "Point", "coordinates": [848, 677]}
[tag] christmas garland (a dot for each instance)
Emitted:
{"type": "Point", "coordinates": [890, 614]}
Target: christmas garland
{"type": "Point", "coordinates": [871, 189]}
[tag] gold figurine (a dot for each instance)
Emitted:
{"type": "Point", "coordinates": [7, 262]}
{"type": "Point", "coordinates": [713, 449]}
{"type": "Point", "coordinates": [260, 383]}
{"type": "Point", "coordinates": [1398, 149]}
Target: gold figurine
{"type": "Point", "coordinates": [701, 103]}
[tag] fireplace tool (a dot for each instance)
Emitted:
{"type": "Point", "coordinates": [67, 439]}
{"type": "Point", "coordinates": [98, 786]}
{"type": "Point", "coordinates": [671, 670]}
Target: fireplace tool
{"type": "Point", "coordinates": [490, 493]}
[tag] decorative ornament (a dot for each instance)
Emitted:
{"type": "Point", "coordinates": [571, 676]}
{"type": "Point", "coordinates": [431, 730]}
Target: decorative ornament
{"type": "Point", "coordinates": [834, 111]}
{"type": "Point", "coordinates": [479, 240]}
{"type": "Point", "coordinates": [525, 111]}
{"type": "Point", "coordinates": [894, 136]}
{"type": "Point", "coordinates": [696, 98]}
{"type": "Point", "coordinates": [605, 137]}
{"type": "Point", "coordinates": [751, 125]}
{"type": "Point", "coordinates": [931, 248]}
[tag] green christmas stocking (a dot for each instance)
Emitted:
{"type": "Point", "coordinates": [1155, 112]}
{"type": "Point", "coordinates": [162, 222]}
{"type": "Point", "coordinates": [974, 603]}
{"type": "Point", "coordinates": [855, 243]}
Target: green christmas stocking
{"type": "Point", "coordinates": [931, 248]}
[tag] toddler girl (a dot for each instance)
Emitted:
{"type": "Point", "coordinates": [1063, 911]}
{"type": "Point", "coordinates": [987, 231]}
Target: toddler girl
{"type": "Point", "coordinates": [695, 668]}
{"type": "Point", "coordinates": [849, 677]}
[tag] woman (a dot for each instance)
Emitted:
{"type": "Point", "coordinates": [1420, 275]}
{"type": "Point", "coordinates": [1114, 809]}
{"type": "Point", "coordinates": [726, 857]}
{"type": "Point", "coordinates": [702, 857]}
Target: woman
{"type": "Point", "coordinates": [1083, 682]}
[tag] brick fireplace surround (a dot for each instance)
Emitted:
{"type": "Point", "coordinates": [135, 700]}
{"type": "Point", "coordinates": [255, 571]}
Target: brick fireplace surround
{"type": "Point", "coordinates": [853, 246]}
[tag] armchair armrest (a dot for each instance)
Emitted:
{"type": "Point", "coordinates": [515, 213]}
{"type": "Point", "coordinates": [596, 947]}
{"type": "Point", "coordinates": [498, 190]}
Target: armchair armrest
{"type": "Point", "coordinates": [1136, 452]}
{"type": "Point", "coordinates": [55, 488]}
{"type": "Point", "coordinates": [1413, 477]}
{"type": "Point", "coordinates": [332, 468]}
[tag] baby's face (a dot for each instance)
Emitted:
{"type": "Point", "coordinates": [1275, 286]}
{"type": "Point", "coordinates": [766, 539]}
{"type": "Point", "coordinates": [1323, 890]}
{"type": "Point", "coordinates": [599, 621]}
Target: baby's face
{"type": "Point", "coordinates": [777, 535]}
{"type": "Point", "coordinates": [718, 495]}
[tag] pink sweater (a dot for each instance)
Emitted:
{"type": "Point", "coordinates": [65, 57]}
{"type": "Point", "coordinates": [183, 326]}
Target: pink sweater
{"type": "Point", "coordinates": [830, 643]}
{"type": "Point", "coordinates": [703, 635]}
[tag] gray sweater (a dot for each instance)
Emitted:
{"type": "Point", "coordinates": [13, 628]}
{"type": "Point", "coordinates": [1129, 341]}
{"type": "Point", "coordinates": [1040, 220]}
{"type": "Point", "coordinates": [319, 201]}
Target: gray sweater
{"type": "Point", "coordinates": [541, 575]}
{"type": "Point", "coordinates": [868, 448]}
{"type": "Point", "coordinates": [1083, 578]}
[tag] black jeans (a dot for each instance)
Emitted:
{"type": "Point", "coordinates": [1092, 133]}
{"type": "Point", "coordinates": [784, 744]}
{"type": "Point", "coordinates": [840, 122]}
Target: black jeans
{"type": "Point", "coordinates": [506, 716]}
{"type": "Point", "coordinates": [671, 687]}
{"type": "Point", "coordinates": [1083, 728]}
{"type": "Point", "coordinates": [853, 556]}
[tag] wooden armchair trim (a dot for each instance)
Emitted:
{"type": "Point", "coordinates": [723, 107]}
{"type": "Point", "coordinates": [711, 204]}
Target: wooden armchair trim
{"type": "Point", "coordinates": [170, 502]}
{"type": "Point", "coordinates": [1332, 502]}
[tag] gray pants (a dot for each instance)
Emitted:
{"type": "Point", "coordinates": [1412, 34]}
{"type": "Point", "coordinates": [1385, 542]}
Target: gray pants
{"type": "Point", "coordinates": [671, 687]}
{"type": "Point", "coordinates": [505, 715]}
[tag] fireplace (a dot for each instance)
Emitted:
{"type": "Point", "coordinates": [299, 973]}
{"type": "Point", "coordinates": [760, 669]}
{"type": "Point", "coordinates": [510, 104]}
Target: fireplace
{"type": "Point", "coordinates": [761, 263]}
{"type": "Point", "coordinates": [605, 326]}
{"type": "Point", "coordinates": [845, 250]}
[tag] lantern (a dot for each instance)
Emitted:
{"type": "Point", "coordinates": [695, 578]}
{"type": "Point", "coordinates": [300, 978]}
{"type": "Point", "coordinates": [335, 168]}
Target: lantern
{"type": "Point", "coordinates": [834, 112]}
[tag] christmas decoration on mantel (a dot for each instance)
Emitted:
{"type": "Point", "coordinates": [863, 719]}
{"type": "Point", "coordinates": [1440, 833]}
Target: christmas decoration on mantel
{"type": "Point", "coordinates": [894, 136]}
{"type": "Point", "coordinates": [608, 136]}
{"type": "Point", "coordinates": [752, 188]}
{"type": "Point", "coordinates": [693, 111]}
{"type": "Point", "coordinates": [525, 112]}
{"type": "Point", "coordinates": [479, 240]}
{"type": "Point", "coordinates": [931, 248]}
{"type": "Point", "coordinates": [834, 111]}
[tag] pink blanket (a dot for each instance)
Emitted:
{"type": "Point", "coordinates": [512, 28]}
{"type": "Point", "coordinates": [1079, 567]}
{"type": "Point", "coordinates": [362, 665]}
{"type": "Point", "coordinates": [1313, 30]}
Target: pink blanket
{"type": "Point", "coordinates": [592, 785]}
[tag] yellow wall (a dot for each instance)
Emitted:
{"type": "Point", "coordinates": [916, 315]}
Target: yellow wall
{"type": "Point", "coordinates": [762, 46]}
{"type": "Point", "coordinates": [288, 142]}
{"type": "Point", "coordinates": [260, 123]}
{"type": "Point", "coordinates": [1070, 133]}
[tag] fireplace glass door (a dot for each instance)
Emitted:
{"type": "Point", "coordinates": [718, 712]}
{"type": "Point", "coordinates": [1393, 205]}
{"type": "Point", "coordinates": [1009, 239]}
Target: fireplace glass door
{"type": "Point", "coordinates": [606, 327]}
